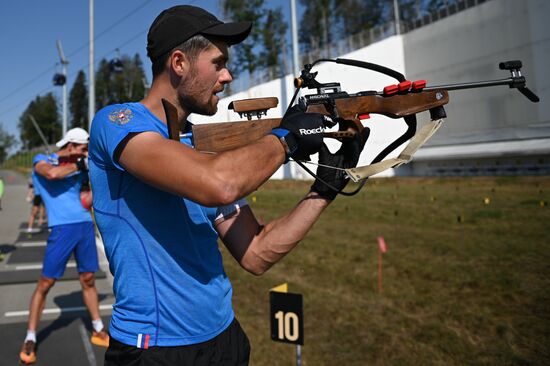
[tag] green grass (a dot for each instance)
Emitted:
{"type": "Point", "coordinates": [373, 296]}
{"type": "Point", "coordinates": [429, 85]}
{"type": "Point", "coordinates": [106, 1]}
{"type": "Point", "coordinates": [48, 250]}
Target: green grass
{"type": "Point", "coordinates": [21, 161]}
{"type": "Point", "coordinates": [464, 282]}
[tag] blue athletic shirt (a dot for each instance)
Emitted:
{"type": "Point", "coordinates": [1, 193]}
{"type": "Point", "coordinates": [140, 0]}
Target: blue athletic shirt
{"type": "Point", "coordinates": [61, 196]}
{"type": "Point", "coordinates": [169, 282]}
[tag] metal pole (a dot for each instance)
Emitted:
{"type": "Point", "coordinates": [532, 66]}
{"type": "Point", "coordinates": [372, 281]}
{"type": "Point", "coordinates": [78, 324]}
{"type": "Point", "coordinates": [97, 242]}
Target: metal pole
{"type": "Point", "coordinates": [298, 355]}
{"type": "Point", "coordinates": [91, 87]}
{"type": "Point", "coordinates": [396, 16]}
{"type": "Point", "coordinates": [379, 272]}
{"type": "Point", "coordinates": [65, 101]}
{"type": "Point", "coordinates": [64, 64]}
{"type": "Point", "coordinates": [290, 171]}
{"type": "Point", "coordinates": [294, 30]}
{"type": "Point", "coordinates": [39, 130]}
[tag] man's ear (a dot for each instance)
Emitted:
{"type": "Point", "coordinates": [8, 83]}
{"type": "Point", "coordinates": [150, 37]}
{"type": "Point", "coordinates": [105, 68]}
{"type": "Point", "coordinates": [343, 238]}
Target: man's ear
{"type": "Point", "coordinates": [179, 63]}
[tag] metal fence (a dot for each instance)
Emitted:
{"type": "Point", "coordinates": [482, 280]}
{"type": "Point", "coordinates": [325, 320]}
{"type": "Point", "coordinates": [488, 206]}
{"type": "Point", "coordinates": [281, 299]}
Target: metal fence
{"type": "Point", "coordinates": [442, 13]}
{"type": "Point", "coordinates": [23, 159]}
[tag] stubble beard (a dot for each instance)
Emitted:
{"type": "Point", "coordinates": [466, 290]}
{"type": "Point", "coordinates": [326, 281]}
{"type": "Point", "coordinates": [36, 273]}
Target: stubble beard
{"type": "Point", "coordinates": [188, 97]}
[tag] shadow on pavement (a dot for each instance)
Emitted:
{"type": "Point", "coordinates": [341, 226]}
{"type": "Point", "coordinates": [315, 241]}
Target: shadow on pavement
{"type": "Point", "coordinates": [74, 299]}
{"type": "Point", "coordinates": [6, 248]}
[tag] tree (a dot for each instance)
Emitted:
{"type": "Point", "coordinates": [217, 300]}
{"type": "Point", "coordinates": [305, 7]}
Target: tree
{"type": "Point", "coordinates": [45, 112]}
{"type": "Point", "coordinates": [78, 102]}
{"type": "Point", "coordinates": [274, 53]}
{"type": "Point", "coordinates": [317, 24]}
{"type": "Point", "coordinates": [103, 95]}
{"type": "Point", "coordinates": [410, 10]}
{"type": "Point", "coordinates": [7, 141]}
{"type": "Point", "coordinates": [354, 16]}
{"type": "Point", "coordinates": [245, 57]}
{"type": "Point", "coordinates": [122, 84]}
{"type": "Point", "coordinates": [137, 80]}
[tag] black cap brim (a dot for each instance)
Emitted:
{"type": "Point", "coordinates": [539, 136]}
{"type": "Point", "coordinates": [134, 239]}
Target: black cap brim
{"type": "Point", "coordinates": [232, 33]}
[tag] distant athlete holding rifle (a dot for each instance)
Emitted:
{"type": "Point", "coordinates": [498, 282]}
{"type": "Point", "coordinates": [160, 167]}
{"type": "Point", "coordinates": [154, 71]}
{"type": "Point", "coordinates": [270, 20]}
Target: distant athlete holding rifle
{"type": "Point", "coordinates": [59, 178]}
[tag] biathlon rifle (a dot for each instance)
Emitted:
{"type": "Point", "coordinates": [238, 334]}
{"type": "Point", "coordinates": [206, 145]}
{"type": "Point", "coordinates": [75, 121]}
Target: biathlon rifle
{"type": "Point", "coordinates": [402, 100]}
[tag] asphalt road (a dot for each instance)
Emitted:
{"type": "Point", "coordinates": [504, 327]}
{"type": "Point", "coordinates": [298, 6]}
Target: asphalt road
{"type": "Point", "coordinates": [63, 337]}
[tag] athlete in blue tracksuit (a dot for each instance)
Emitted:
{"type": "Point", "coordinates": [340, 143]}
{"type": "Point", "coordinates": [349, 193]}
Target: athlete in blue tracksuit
{"type": "Point", "coordinates": [58, 177]}
{"type": "Point", "coordinates": [161, 206]}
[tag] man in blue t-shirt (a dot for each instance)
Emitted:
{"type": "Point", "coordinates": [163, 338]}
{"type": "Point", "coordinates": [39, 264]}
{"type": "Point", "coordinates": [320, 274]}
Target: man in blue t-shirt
{"type": "Point", "coordinates": [161, 206]}
{"type": "Point", "coordinates": [58, 177]}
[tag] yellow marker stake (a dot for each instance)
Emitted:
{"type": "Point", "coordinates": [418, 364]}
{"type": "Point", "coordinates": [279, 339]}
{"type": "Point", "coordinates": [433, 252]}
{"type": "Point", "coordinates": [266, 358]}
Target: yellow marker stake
{"type": "Point", "coordinates": [281, 288]}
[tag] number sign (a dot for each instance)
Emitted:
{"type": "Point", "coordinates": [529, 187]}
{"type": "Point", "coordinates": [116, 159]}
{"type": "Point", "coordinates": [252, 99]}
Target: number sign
{"type": "Point", "coordinates": [287, 324]}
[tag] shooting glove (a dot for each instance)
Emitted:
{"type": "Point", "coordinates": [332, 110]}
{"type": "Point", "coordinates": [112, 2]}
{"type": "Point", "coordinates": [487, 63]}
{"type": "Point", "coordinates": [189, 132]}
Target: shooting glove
{"type": "Point", "coordinates": [82, 164]}
{"type": "Point", "coordinates": [346, 157]}
{"type": "Point", "coordinates": [301, 132]}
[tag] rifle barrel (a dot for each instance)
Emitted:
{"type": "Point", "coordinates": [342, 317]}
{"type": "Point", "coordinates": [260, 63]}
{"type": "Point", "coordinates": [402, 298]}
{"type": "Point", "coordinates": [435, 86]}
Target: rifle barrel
{"type": "Point", "coordinates": [472, 85]}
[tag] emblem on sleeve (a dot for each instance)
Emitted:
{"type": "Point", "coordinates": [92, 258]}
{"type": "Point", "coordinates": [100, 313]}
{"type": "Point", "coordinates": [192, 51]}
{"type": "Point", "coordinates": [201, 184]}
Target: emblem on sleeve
{"type": "Point", "coordinates": [121, 116]}
{"type": "Point", "coordinates": [52, 160]}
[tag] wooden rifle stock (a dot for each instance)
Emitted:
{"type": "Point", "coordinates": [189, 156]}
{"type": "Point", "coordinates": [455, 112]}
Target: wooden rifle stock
{"type": "Point", "coordinates": [172, 120]}
{"type": "Point", "coordinates": [222, 136]}
{"type": "Point", "coordinates": [395, 106]}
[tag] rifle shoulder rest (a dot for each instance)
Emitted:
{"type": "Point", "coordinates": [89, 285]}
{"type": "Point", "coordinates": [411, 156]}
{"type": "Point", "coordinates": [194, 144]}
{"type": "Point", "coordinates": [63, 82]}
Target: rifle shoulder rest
{"type": "Point", "coordinates": [254, 106]}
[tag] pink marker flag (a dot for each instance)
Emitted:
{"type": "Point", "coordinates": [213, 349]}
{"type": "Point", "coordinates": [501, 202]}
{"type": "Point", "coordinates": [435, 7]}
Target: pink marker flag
{"type": "Point", "coordinates": [382, 244]}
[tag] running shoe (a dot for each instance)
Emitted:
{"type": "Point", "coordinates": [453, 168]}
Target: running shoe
{"type": "Point", "coordinates": [100, 338]}
{"type": "Point", "coordinates": [28, 354]}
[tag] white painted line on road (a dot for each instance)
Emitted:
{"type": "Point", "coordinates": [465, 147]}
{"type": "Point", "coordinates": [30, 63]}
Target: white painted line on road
{"type": "Point", "coordinates": [38, 266]}
{"type": "Point", "coordinates": [87, 345]}
{"type": "Point", "coordinates": [32, 244]}
{"type": "Point", "coordinates": [34, 230]}
{"type": "Point", "coordinates": [10, 314]}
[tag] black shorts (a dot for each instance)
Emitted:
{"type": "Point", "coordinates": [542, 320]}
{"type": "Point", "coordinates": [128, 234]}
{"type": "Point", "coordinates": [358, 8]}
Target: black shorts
{"type": "Point", "coordinates": [37, 200]}
{"type": "Point", "coordinates": [229, 348]}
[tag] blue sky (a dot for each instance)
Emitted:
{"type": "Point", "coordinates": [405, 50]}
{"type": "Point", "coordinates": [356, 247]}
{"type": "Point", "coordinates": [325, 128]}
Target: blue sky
{"type": "Point", "coordinates": [30, 29]}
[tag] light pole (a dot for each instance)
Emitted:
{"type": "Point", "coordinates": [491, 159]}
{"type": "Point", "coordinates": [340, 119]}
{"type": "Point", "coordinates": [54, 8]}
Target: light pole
{"type": "Point", "coordinates": [64, 64]}
{"type": "Point", "coordinates": [396, 16]}
{"type": "Point", "coordinates": [294, 31]}
{"type": "Point", "coordinates": [91, 71]}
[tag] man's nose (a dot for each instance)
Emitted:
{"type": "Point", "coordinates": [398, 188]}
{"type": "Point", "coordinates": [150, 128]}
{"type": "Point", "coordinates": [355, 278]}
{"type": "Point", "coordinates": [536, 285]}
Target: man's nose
{"type": "Point", "coordinates": [226, 76]}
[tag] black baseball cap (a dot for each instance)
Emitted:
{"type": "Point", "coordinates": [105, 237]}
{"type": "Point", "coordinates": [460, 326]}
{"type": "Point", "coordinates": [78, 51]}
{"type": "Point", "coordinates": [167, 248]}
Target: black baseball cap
{"type": "Point", "coordinates": [179, 23]}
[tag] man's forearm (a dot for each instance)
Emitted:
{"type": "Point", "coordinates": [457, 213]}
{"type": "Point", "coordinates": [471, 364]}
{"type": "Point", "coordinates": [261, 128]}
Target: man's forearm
{"type": "Point", "coordinates": [211, 180]}
{"type": "Point", "coordinates": [55, 172]}
{"type": "Point", "coordinates": [280, 236]}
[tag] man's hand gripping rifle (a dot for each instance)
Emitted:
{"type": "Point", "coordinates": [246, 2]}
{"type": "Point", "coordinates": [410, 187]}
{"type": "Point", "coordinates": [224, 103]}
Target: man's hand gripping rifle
{"type": "Point", "coordinates": [402, 100]}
